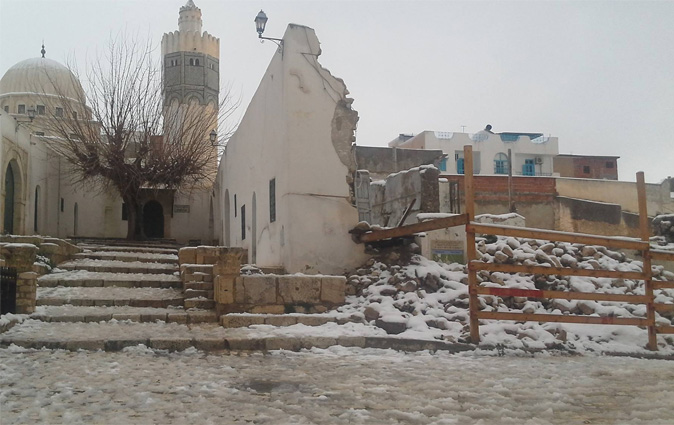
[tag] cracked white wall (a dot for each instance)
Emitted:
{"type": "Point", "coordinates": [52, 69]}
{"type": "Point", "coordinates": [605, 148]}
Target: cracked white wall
{"type": "Point", "coordinates": [297, 130]}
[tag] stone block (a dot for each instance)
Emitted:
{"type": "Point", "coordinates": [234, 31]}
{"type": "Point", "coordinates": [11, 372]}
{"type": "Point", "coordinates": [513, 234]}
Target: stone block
{"type": "Point", "coordinates": [210, 344]}
{"type": "Point", "coordinates": [333, 289]}
{"type": "Point", "coordinates": [97, 318]}
{"type": "Point", "coordinates": [245, 344]}
{"type": "Point", "coordinates": [268, 309]}
{"type": "Point", "coordinates": [120, 344]}
{"type": "Point", "coordinates": [92, 283]}
{"type": "Point", "coordinates": [280, 320]}
{"type": "Point", "coordinates": [259, 290]}
{"type": "Point", "coordinates": [126, 316]}
{"type": "Point", "coordinates": [240, 321]}
{"type": "Point", "coordinates": [318, 342]}
{"type": "Point", "coordinates": [229, 260]}
{"type": "Point", "coordinates": [187, 255]}
{"type": "Point", "coordinates": [239, 291]}
{"type": "Point", "coordinates": [295, 289]}
{"type": "Point", "coordinates": [89, 345]}
{"type": "Point", "coordinates": [283, 343]}
{"type": "Point", "coordinates": [153, 317]}
{"type": "Point", "coordinates": [223, 290]}
{"type": "Point", "coordinates": [177, 318]}
{"type": "Point", "coordinates": [314, 320]}
{"type": "Point", "coordinates": [171, 344]}
{"type": "Point", "coordinates": [194, 317]}
{"type": "Point", "coordinates": [19, 255]}
{"type": "Point", "coordinates": [351, 341]}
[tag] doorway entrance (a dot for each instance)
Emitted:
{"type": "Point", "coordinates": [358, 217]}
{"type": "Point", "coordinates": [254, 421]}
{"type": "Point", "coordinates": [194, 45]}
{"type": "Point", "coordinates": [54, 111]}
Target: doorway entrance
{"type": "Point", "coordinates": [153, 219]}
{"type": "Point", "coordinates": [9, 200]}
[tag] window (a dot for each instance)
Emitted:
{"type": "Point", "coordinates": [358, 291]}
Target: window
{"type": "Point", "coordinates": [39, 133]}
{"type": "Point", "coordinates": [459, 166]}
{"type": "Point", "coordinates": [63, 203]}
{"type": "Point", "coordinates": [501, 164]}
{"type": "Point", "coordinates": [196, 62]}
{"type": "Point", "coordinates": [191, 61]}
{"type": "Point", "coordinates": [443, 164]}
{"type": "Point", "coordinates": [609, 164]}
{"type": "Point", "coordinates": [235, 206]}
{"type": "Point", "coordinates": [7, 108]}
{"type": "Point", "coordinates": [59, 112]}
{"type": "Point", "coordinates": [74, 115]}
{"type": "Point", "coordinates": [272, 200]}
{"type": "Point", "coordinates": [529, 168]}
{"type": "Point", "coordinates": [586, 169]}
{"type": "Point", "coordinates": [243, 222]}
{"type": "Point", "coordinates": [21, 109]}
{"type": "Point", "coordinates": [125, 212]}
{"type": "Point", "coordinates": [40, 109]}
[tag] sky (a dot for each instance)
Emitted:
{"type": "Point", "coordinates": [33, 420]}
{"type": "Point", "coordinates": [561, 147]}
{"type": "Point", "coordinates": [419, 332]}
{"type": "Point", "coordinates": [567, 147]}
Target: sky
{"type": "Point", "coordinates": [599, 75]}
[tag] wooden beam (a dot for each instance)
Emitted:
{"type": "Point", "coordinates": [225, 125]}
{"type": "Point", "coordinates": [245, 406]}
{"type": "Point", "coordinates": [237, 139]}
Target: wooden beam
{"type": "Point", "coordinates": [663, 308]}
{"type": "Point", "coordinates": [471, 250]}
{"type": "Point", "coordinates": [410, 229]}
{"type": "Point", "coordinates": [562, 271]}
{"type": "Point", "coordinates": [664, 329]}
{"type": "Point", "coordinates": [645, 231]}
{"type": "Point", "coordinates": [534, 293]}
{"type": "Point", "coordinates": [662, 255]}
{"type": "Point", "coordinates": [663, 284]}
{"type": "Point", "coordinates": [552, 235]}
{"type": "Point", "coordinates": [594, 320]}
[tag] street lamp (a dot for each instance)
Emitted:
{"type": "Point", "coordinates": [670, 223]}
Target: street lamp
{"type": "Point", "coordinates": [260, 24]}
{"type": "Point", "coordinates": [31, 117]}
{"type": "Point", "coordinates": [212, 136]}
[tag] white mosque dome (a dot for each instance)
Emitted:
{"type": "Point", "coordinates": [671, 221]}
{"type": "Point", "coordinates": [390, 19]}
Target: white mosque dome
{"type": "Point", "coordinates": [40, 76]}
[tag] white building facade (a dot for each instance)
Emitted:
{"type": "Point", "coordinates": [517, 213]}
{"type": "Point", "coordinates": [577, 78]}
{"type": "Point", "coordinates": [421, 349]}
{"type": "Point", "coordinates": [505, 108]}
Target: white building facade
{"type": "Point", "coordinates": [532, 153]}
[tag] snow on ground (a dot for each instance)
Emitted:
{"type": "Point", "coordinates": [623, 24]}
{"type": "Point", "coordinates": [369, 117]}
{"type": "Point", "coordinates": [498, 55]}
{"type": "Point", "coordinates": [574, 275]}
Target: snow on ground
{"type": "Point", "coordinates": [71, 310]}
{"type": "Point", "coordinates": [333, 386]}
{"type": "Point", "coordinates": [109, 293]}
{"type": "Point", "coordinates": [86, 262]}
{"type": "Point", "coordinates": [60, 274]}
{"type": "Point", "coordinates": [126, 254]}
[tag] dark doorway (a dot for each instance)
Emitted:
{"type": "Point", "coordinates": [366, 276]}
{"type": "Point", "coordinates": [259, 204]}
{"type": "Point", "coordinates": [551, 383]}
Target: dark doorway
{"type": "Point", "coordinates": [153, 220]}
{"type": "Point", "coordinates": [9, 200]}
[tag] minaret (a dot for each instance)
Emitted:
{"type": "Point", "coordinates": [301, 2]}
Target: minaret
{"type": "Point", "coordinates": [191, 68]}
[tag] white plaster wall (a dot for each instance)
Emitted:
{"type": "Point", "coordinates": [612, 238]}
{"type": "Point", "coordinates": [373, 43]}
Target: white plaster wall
{"type": "Point", "coordinates": [196, 224]}
{"type": "Point", "coordinates": [286, 134]}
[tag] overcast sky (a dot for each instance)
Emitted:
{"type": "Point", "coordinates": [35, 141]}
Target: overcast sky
{"type": "Point", "coordinates": [598, 75]}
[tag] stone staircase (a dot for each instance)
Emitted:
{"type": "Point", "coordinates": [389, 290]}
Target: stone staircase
{"type": "Point", "coordinates": [198, 280]}
{"type": "Point", "coordinates": [134, 283]}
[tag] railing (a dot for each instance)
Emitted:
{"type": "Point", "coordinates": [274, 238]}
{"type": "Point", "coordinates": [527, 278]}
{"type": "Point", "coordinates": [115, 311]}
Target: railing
{"type": "Point", "coordinates": [7, 290]}
{"type": "Point", "coordinates": [643, 245]}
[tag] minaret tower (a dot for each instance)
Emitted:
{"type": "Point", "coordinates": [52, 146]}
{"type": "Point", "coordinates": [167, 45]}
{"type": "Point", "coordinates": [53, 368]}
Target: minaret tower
{"type": "Point", "coordinates": [191, 68]}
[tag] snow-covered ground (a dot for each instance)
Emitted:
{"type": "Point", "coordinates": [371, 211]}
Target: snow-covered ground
{"type": "Point", "coordinates": [333, 386]}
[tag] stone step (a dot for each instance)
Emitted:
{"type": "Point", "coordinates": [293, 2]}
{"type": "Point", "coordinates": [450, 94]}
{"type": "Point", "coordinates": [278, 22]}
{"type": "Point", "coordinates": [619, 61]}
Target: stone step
{"type": "Point", "coordinates": [83, 278]}
{"type": "Point", "coordinates": [196, 293]}
{"type": "Point", "coordinates": [115, 266]}
{"type": "Point", "coordinates": [109, 296]}
{"type": "Point", "coordinates": [138, 249]}
{"type": "Point", "coordinates": [115, 336]}
{"type": "Point", "coordinates": [200, 303]}
{"type": "Point", "coordinates": [135, 314]}
{"type": "Point", "coordinates": [204, 286]}
{"type": "Point", "coordinates": [129, 257]}
{"type": "Point", "coordinates": [197, 268]}
{"type": "Point", "coordinates": [243, 320]}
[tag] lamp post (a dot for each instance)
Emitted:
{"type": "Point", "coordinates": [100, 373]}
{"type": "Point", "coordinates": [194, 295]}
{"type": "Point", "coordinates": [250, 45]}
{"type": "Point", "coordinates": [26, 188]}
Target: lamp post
{"type": "Point", "coordinates": [260, 24]}
{"type": "Point", "coordinates": [213, 136]}
{"type": "Point", "coordinates": [31, 117]}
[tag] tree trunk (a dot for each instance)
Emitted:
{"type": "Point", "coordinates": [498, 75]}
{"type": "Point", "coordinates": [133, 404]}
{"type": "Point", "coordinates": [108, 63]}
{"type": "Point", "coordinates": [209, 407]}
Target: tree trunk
{"type": "Point", "coordinates": [134, 230]}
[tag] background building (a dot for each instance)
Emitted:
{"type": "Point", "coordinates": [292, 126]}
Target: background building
{"type": "Point", "coordinates": [587, 166]}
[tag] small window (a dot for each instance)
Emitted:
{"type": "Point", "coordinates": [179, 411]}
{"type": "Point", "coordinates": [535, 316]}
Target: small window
{"type": "Point", "coordinates": [74, 115]}
{"type": "Point", "coordinates": [501, 164]}
{"type": "Point", "coordinates": [7, 108]}
{"type": "Point", "coordinates": [243, 222]}
{"type": "Point", "coordinates": [235, 209]}
{"type": "Point", "coordinates": [63, 203]}
{"type": "Point", "coordinates": [443, 164]}
{"type": "Point", "coordinates": [59, 112]}
{"type": "Point", "coordinates": [125, 212]}
{"type": "Point", "coordinates": [609, 164]}
{"type": "Point", "coordinates": [39, 133]}
{"type": "Point", "coordinates": [21, 109]}
{"type": "Point", "coordinates": [40, 109]}
{"type": "Point", "coordinates": [586, 169]}
{"type": "Point", "coordinates": [196, 62]}
{"type": "Point", "coordinates": [191, 62]}
{"type": "Point", "coordinates": [272, 200]}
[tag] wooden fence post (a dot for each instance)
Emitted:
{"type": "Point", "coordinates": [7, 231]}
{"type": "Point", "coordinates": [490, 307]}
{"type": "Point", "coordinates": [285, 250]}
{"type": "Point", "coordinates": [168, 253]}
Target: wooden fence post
{"type": "Point", "coordinates": [471, 252]}
{"type": "Point", "coordinates": [645, 231]}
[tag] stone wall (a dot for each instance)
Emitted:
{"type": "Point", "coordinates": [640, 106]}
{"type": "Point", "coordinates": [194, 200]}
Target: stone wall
{"type": "Point", "coordinates": [381, 161]}
{"type": "Point", "coordinates": [278, 294]}
{"type": "Point", "coordinates": [598, 218]}
{"type": "Point", "coordinates": [21, 256]}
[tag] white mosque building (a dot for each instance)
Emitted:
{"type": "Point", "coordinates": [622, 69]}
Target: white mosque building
{"type": "Point", "coordinates": [37, 193]}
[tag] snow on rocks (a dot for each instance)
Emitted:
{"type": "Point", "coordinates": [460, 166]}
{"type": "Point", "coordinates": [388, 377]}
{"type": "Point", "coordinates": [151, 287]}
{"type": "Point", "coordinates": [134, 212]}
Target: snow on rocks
{"type": "Point", "coordinates": [425, 299]}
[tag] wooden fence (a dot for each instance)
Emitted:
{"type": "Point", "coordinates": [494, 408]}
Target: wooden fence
{"type": "Point", "coordinates": [643, 245]}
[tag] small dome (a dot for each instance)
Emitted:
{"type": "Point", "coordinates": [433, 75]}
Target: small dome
{"type": "Point", "coordinates": [41, 76]}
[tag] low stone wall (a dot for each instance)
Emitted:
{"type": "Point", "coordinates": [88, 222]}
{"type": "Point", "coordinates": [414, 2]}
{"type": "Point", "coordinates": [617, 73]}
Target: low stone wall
{"type": "Point", "coordinates": [21, 256]}
{"type": "Point", "coordinates": [278, 294]}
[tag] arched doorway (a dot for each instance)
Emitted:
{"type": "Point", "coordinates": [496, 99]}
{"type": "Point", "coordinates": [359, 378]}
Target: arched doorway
{"type": "Point", "coordinates": [36, 211]}
{"type": "Point", "coordinates": [9, 200]}
{"type": "Point", "coordinates": [76, 218]}
{"type": "Point", "coordinates": [153, 219]}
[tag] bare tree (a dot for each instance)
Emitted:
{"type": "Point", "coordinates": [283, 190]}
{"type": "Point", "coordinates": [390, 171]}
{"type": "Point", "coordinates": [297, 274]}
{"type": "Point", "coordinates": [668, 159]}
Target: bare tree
{"type": "Point", "coordinates": [120, 133]}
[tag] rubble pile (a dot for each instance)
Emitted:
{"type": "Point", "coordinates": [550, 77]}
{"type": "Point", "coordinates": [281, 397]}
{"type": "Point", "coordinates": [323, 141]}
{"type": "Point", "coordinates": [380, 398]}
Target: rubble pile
{"type": "Point", "coordinates": [663, 225]}
{"type": "Point", "coordinates": [423, 295]}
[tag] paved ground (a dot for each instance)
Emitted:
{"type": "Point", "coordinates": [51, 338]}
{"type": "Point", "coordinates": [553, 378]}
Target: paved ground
{"type": "Point", "coordinates": [334, 386]}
